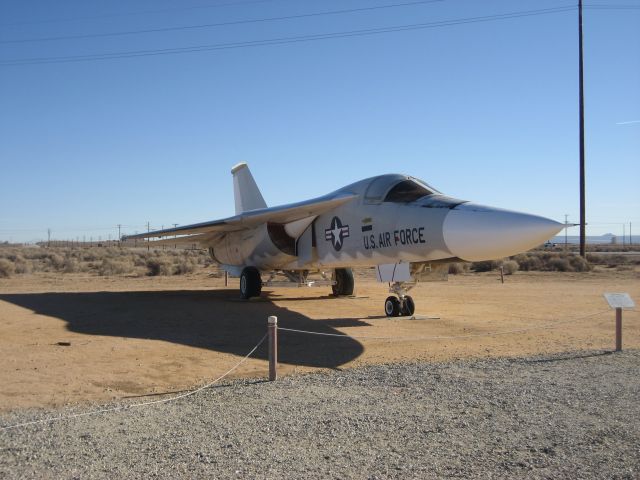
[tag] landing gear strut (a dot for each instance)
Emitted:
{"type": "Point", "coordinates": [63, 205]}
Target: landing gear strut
{"type": "Point", "coordinates": [402, 304]}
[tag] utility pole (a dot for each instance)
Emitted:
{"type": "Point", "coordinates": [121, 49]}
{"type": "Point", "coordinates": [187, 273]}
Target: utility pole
{"type": "Point", "coordinates": [581, 101]}
{"type": "Point", "coordinates": [119, 237]}
{"type": "Point", "coordinates": [48, 237]}
{"type": "Point", "coordinates": [624, 234]}
{"type": "Point", "coordinates": [566, 224]}
{"type": "Point", "coordinates": [148, 230]}
{"type": "Point", "coordinates": [630, 241]}
{"type": "Point", "coordinates": [175, 225]}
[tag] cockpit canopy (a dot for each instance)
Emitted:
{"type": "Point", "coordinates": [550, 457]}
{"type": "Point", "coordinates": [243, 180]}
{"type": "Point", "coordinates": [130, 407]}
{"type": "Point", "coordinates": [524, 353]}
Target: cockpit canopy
{"type": "Point", "coordinates": [407, 190]}
{"type": "Point", "coordinates": [397, 189]}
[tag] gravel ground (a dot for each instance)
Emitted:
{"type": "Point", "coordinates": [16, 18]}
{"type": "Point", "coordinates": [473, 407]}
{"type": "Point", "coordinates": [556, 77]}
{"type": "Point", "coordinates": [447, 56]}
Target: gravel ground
{"type": "Point", "coordinates": [573, 415]}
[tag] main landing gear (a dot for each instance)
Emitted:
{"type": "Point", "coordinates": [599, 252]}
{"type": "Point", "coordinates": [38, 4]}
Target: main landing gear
{"type": "Point", "coordinates": [250, 283]}
{"type": "Point", "coordinates": [344, 282]}
{"type": "Point", "coordinates": [401, 304]}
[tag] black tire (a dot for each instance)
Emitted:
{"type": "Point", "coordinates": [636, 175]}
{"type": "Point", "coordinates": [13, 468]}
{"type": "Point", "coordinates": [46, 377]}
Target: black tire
{"type": "Point", "coordinates": [408, 306]}
{"type": "Point", "coordinates": [250, 283]}
{"type": "Point", "coordinates": [392, 307]}
{"type": "Point", "coordinates": [344, 282]}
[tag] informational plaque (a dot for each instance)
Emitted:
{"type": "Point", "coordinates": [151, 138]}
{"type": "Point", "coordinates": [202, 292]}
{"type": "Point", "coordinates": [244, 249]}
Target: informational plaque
{"type": "Point", "coordinates": [619, 300]}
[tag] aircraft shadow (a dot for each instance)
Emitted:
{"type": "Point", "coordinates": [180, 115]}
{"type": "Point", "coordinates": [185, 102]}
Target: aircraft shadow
{"type": "Point", "coordinates": [214, 320]}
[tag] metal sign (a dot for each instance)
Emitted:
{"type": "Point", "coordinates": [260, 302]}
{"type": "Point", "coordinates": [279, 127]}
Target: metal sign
{"type": "Point", "coordinates": [619, 300]}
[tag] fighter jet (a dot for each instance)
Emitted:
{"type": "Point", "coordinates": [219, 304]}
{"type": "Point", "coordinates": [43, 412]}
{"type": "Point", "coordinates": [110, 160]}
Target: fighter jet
{"type": "Point", "coordinates": [402, 226]}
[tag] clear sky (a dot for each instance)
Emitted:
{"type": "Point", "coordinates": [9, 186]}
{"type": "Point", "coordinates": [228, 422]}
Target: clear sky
{"type": "Point", "coordinates": [484, 111]}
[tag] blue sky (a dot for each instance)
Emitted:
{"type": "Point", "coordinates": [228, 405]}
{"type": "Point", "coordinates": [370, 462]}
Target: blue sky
{"type": "Point", "coordinates": [483, 111]}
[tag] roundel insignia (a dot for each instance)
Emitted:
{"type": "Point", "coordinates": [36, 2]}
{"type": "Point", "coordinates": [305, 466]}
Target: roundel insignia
{"type": "Point", "coordinates": [336, 233]}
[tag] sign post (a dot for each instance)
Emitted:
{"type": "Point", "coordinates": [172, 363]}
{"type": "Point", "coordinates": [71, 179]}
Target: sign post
{"type": "Point", "coordinates": [619, 301]}
{"type": "Point", "coordinates": [272, 327]}
{"type": "Point", "coordinates": [618, 329]}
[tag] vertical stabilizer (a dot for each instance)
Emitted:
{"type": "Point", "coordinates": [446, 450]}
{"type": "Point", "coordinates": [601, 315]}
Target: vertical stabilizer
{"type": "Point", "coordinates": [245, 190]}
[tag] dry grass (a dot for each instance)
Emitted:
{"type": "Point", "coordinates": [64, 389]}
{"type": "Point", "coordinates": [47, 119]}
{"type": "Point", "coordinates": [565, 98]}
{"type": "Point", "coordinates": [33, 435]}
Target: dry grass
{"type": "Point", "coordinates": [6, 268]}
{"type": "Point", "coordinates": [510, 267]}
{"type": "Point", "coordinates": [113, 261]}
{"type": "Point", "coordinates": [104, 261]}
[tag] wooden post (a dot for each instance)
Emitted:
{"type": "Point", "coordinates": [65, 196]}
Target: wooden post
{"type": "Point", "coordinates": [272, 326]}
{"type": "Point", "coordinates": [618, 329]}
{"type": "Point", "coordinates": [501, 274]}
{"type": "Point", "coordinates": [226, 278]}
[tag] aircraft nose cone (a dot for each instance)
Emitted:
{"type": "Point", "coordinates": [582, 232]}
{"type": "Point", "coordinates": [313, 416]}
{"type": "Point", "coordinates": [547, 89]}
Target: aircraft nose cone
{"type": "Point", "coordinates": [474, 232]}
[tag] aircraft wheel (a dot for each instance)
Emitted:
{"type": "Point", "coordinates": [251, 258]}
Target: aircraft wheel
{"type": "Point", "coordinates": [344, 282]}
{"type": "Point", "coordinates": [408, 306]}
{"type": "Point", "coordinates": [250, 283]}
{"type": "Point", "coordinates": [392, 307]}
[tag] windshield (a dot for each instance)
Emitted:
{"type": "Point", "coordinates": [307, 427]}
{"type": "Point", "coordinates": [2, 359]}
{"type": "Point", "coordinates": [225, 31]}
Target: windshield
{"type": "Point", "coordinates": [397, 189]}
{"type": "Point", "coordinates": [406, 192]}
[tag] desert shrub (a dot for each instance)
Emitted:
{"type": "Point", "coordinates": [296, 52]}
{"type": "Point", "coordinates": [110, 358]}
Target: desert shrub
{"type": "Point", "coordinates": [37, 254]}
{"type": "Point", "coordinates": [113, 252]}
{"type": "Point", "coordinates": [579, 264]}
{"type": "Point", "coordinates": [624, 268]}
{"type": "Point", "coordinates": [6, 268]}
{"type": "Point", "coordinates": [55, 261]}
{"type": "Point", "coordinates": [528, 262]}
{"type": "Point", "coordinates": [559, 265]}
{"type": "Point", "coordinates": [111, 266]}
{"type": "Point", "coordinates": [23, 266]}
{"type": "Point", "coordinates": [12, 256]}
{"type": "Point", "coordinates": [595, 258]}
{"type": "Point", "coordinates": [485, 266]}
{"type": "Point", "coordinates": [614, 260]}
{"type": "Point", "coordinates": [140, 259]}
{"type": "Point", "coordinates": [184, 265]}
{"type": "Point", "coordinates": [93, 254]}
{"type": "Point", "coordinates": [159, 266]}
{"type": "Point", "coordinates": [455, 268]}
{"type": "Point", "coordinates": [510, 267]}
{"type": "Point", "coordinates": [71, 265]}
{"type": "Point", "coordinates": [459, 267]}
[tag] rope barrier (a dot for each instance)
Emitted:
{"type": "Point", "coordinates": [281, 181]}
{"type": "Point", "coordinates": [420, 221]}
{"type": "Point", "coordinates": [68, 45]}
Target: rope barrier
{"type": "Point", "coordinates": [143, 404]}
{"type": "Point", "coordinates": [446, 337]}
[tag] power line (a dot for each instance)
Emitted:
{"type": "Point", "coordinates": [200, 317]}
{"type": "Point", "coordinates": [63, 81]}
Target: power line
{"type": "Point", "coordinates": [285, 40]}
{"type": "Point", "coordinates": [221, 24]}
{"type": "Point", "coordinates": [143, 12]}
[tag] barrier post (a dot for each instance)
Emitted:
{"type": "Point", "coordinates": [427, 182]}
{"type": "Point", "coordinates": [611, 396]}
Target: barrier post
{"type": "Point", "coordinates": [272, 327]}
{"type": "Point", "coordinates": [501, 274]}
{"type": "Point", "coordinates": [618, 329]}
{"type": "Point", "coordinates": [226, 278]}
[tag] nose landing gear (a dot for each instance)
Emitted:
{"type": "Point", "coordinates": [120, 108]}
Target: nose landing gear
{"type": "Point", "coordinates": [402, 304]}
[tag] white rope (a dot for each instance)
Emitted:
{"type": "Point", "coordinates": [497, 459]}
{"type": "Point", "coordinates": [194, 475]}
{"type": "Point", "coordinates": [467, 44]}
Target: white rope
{"type": "Point", "coordinates": [143, 404]}
{"type": "Point", "coordinates": [447, 337]}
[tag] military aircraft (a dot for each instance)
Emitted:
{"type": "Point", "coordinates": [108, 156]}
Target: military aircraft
{"type": "Point", "coordinates": [405, 228]}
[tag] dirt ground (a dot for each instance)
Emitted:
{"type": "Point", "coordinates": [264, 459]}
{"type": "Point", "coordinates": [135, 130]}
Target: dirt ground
{"type": "Point", "coordinates": [73, 338]}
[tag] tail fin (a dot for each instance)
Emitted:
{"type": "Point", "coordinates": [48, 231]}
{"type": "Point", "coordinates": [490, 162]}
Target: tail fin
{"type": "Point", "coordinates": [245, 190]}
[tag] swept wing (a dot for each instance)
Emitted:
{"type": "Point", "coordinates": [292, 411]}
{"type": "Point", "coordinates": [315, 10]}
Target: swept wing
{"type": "Point", "coordinates": [283, 214]}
